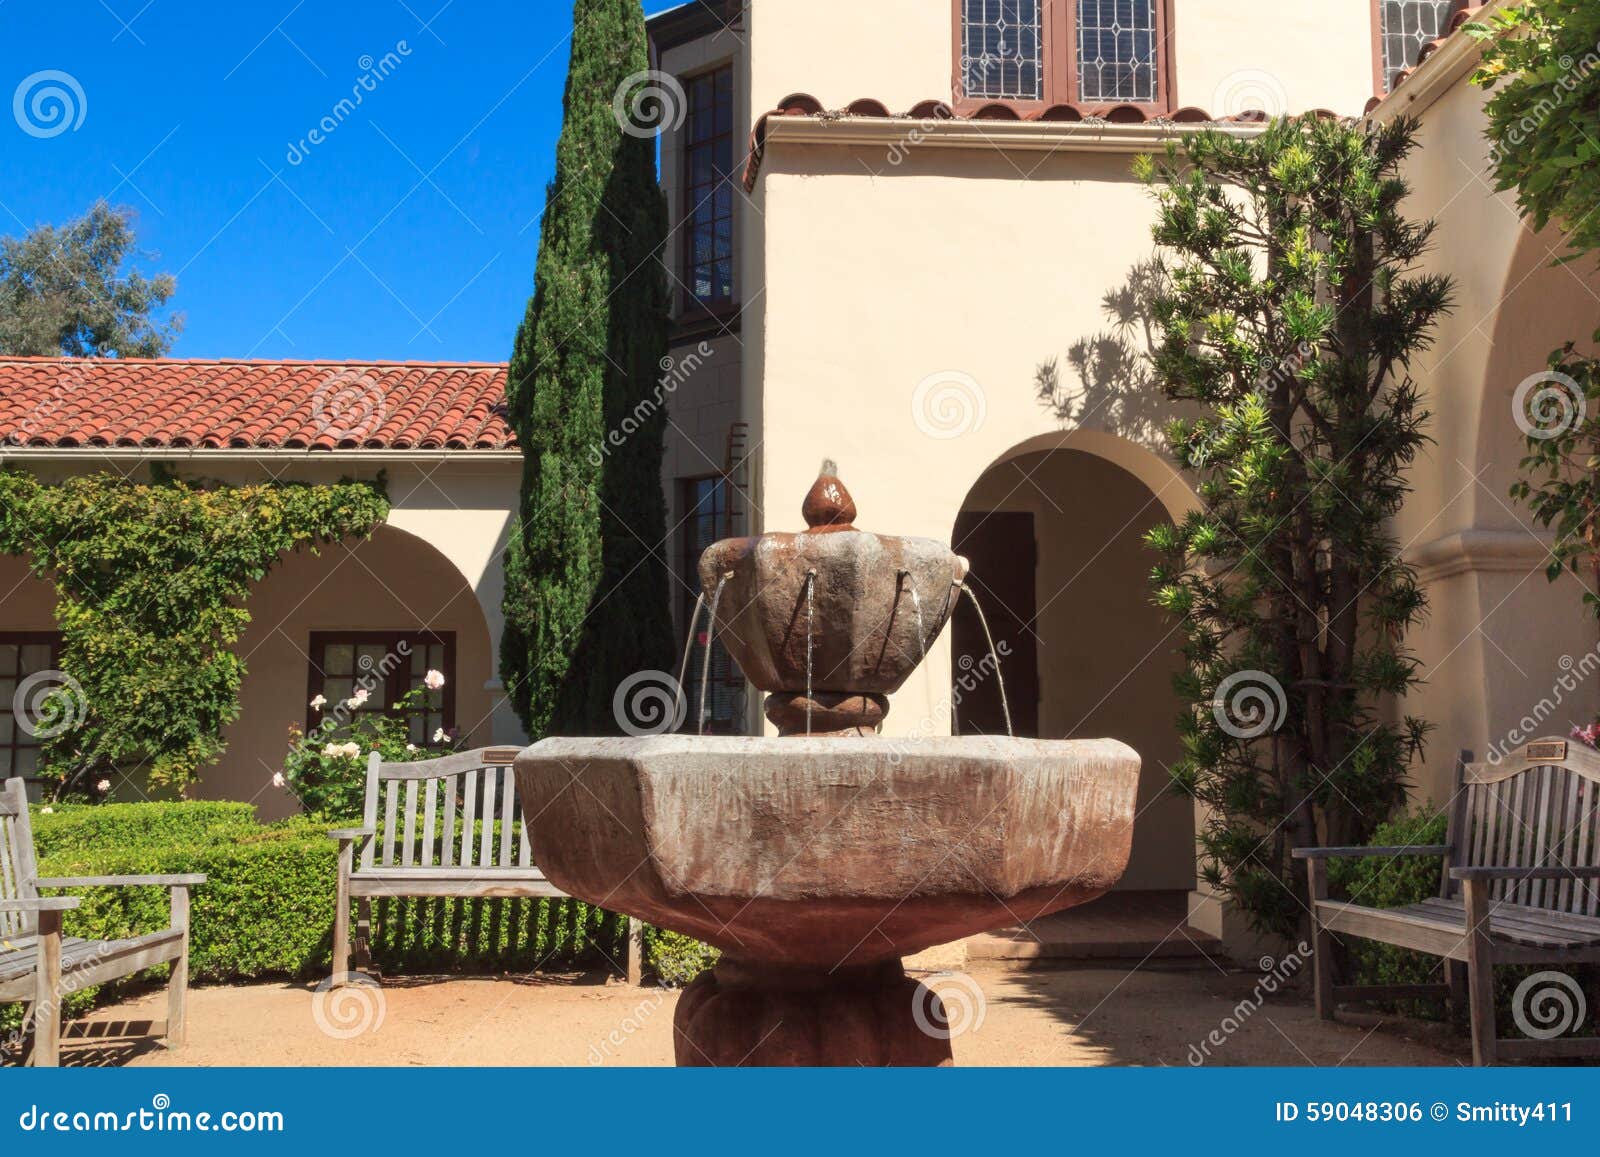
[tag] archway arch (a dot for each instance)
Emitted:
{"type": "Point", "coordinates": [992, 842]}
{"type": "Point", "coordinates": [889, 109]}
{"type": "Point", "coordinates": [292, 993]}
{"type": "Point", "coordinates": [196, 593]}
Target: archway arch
{"type": "Point", "coordinates": [1055, 530]}
{"type": "Point", "coordinates": [394, 582]}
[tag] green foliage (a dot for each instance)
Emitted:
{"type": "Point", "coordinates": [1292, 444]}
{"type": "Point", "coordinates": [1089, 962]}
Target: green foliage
{"type": "Point", "coordinates": [1385, 882]}
{"type": "Point", "coordinates": [1541, 61]}
{"type": "Point", "coordinates": [676, 959]}
{"type": "Point", "coordinates": [1561, 483]}
{"type": "Point", "coordinates": [587, 590]}
{"type": "Point", "coordinates": [1289, 315]}
{"type": "Point", "coordinates": [67, 292]}
{"type": "Point", "coordinates": [267, 906]}
{"type": "Point", "coordinates": [327, 769]}
{"type": "Point", "coordinates": [151, 581]}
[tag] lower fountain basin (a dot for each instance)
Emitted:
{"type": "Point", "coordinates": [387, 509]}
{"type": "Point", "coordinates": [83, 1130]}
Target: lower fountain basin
{"type": "Point", "coordinates": [821, 853]}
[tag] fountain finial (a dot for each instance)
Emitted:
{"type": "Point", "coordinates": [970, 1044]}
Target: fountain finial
{"type": "Point", "coordinates": [828, 505]}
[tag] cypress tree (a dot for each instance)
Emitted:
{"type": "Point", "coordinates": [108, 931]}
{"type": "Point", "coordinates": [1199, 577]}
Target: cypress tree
{"type": "Point", "coordinates": [586, 599]}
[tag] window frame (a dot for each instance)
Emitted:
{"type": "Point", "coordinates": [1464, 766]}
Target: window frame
{"type": "Point", "coordinates": [689, 304]}
{"type": "Point", "coordinates": [1380, 76]}
{"type": "Point", "coordinates": [53, 640]}
{"type": "Point", "coordinates": [1060, 64]}
{"type": "Point", "coordinates": [316, 669]}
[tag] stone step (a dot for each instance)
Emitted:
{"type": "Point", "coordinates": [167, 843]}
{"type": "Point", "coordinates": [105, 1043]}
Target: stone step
{"type": "Point", "coordinates": [1120, 926]}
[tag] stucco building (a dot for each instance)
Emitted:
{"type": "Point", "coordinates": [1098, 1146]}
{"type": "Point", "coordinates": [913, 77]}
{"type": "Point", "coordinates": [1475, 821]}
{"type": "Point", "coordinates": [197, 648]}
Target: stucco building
{"type": "Point", "coordinates": [906, 237]}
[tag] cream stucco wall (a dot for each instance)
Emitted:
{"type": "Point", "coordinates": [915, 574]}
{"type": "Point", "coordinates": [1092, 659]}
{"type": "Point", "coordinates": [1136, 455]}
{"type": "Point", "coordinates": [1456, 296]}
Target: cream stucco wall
{"type": "Point", "coordinates": [1228, 55]}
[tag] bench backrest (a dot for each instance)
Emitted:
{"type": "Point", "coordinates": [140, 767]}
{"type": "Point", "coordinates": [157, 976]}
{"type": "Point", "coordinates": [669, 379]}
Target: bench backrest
{"type": "Point", "coordinates": [1538, 807]}
{"type": "Point", "coordinates": [430, 809]}
{"type": "Point", "coordinates": [17, 868]}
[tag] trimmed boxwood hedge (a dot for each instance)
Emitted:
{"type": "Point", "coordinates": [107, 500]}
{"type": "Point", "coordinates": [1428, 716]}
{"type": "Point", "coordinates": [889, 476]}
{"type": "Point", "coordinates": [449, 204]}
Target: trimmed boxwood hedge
{"type": "Point", "coordinates": [267, 907]}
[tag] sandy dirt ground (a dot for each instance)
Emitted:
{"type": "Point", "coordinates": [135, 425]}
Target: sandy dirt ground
{"type": "Point", "coordinates": [1098, 1016]}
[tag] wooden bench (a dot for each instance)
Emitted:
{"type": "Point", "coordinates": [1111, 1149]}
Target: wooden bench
{"type": "Point", "coordinates": [425, 845]}
{"type": "Point", "coordinates": [40, 966]}
{"type": "Point", "coordinates": [1520, 885]}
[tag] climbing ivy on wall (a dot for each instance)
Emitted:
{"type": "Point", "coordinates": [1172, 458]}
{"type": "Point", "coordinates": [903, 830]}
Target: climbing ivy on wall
{"type": "Point", "coordinates": [151, 583]}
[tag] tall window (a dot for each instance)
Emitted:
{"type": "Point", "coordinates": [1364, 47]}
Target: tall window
{"type": "Point", "coordinates": [1061, 51]}
{"type": "Point", "coordinates": [708, 189]}
{"type": "Point", "coordinates": [23, 653]}
{"type": "Point", "coordinates": [706, 520]}
{"type": "Point", "coordinates": [1407, 26]}
{"type": "Point", "coordinates": [388, 665]}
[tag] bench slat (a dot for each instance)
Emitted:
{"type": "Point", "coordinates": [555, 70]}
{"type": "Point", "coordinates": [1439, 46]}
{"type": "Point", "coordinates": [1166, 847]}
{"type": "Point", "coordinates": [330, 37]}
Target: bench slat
{"type": "Point", "coordinates": [508, 803]}
{"type": "Point", "coordinates": [391, 816]}
{"type": "Point", "coordinates": [408, 839]}
{"type": "Point", "coordinates": [486, 829]}
{"type": "Point", "coordinates": [428, 831]}
{"type": "Point", "coordinates": [447, 852]}
{"type": "Point", "coordinates": [469, 809]}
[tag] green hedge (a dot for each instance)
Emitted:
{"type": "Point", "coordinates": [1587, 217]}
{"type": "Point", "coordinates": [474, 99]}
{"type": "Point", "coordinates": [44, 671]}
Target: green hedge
{"type": "Point", "coordinates": [267, 906]}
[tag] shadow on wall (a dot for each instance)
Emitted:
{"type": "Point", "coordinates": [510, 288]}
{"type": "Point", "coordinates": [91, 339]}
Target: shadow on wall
{"type": "Point", "coordinates": [1112, 385]}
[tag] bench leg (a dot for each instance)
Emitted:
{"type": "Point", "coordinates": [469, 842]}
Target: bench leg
{"type": "Point", "coordinates": [1480, 971]}
{"type": "Point", "coordinates": [341, 918]}
{"type": "Point", "coordinates": [364, 936]}
{"type": "Point", "coordinates": [47, 994]}
{"type": "Point", "coordinates": [635, 951]}
{"type": "Point", "coordinates": [178, 982]}
{"type": "Point", "coordinates": [1321, 941]}
{"type": "Point", "coordinates": [1456, 972]}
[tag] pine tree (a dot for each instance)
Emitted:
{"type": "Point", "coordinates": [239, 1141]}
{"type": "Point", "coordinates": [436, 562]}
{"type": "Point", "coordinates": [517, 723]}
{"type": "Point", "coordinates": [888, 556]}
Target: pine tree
{"type": "Point", "coordinates": [586, 600]}
{"type": "Point", "coordinates": [1290, 316]}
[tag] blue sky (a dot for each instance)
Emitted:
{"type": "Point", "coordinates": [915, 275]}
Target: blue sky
{"type": "Point", "coordinates": [408, 233]}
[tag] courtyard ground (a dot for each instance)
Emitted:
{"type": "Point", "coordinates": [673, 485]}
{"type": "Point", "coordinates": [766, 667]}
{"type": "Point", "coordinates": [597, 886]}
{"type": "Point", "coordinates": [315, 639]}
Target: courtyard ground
{"type": "Point", "coordinates": [1080, 1016]}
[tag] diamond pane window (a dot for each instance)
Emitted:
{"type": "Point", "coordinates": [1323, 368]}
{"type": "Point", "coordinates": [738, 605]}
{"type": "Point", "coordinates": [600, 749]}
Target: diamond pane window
{"type": "Point", "coordinates": [1117, 50]}
{"type": "Point", "coordinates": [24, 654]}
{"type": "Point", "coordinates": [1407, 26]}
{"type": "Point", "coordinates": [387, 665]}
{"type": "Point", "coordinates": [1002, 49]}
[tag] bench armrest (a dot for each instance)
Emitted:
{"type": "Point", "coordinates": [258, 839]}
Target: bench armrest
{"type": "Point", "coordinates": [1510, 873]}
{"type": "Point", "coordinates": [352, 833]}
{"type": "Point", "coordinates": [1340, 853]}
{"type": "Point", "coordinates": [185, 880]}
{"type": "Point", "coordinates": [42, 904]}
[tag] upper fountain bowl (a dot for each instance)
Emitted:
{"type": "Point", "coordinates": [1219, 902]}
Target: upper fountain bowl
{"type": "Point", "coordinates": [861, 621]}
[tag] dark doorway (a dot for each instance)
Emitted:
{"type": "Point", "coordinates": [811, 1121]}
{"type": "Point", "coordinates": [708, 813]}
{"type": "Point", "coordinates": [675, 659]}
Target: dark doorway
{"type": "Point", "coordinates": [1001, 547]}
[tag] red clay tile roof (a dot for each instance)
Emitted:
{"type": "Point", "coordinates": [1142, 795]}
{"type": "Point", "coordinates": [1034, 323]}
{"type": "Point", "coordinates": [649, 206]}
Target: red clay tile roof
{"type": "Point", "coordinates": [801, 104]}
{"type": "Point", "coordinates": [256, 405]}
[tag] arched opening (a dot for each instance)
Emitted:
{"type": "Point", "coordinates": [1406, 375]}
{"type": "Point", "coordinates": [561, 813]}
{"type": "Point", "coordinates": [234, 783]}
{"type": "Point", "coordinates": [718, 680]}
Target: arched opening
{"type": "Point", "coordinates": [1054, 532]}
{"type": "Point", "coordinates": [316, 617]}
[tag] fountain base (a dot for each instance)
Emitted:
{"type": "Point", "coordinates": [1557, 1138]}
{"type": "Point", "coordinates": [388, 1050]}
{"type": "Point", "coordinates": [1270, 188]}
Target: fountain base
{"type": "Point", "coordinates": [744, 1013]}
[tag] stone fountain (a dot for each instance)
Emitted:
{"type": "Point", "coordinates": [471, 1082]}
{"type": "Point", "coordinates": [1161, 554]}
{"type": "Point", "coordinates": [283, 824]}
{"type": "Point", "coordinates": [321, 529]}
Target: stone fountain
{"type": "Point", "coordinates": [818, 859]}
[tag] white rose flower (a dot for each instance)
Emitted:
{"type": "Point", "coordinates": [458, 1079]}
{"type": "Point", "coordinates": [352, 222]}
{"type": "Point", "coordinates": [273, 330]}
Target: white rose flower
{"type": "Point", "coordinates": [47, 811]}
{"type": "Point", "coordinates": [103, 786]}
{"type": "Point", "coordinates": [433, 680]}
{"type": "Point", "coordinates": [412, 748]}
{"type": "Point", "coordinates": [278, 780]}
{"type": "Point", "coordinates": [439, 736]}
{"type": "Point", "coordinates": [319, 702]}
{"type": "Point", "coordinates": [331, 749]}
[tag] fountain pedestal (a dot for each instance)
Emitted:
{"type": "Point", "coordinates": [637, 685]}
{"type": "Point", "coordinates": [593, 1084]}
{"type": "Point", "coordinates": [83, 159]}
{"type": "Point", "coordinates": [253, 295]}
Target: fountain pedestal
{"type": "Point", "coordinates": [753, 1014]}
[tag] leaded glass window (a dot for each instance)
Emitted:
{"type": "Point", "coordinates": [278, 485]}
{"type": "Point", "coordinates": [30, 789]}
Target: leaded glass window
{"type": "Point", "coordinates": [1407, 26]}
{"type": "Point", "coordinates": [1117, 50]}
{"type": "Point", "coordinates": [1002, 49]}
